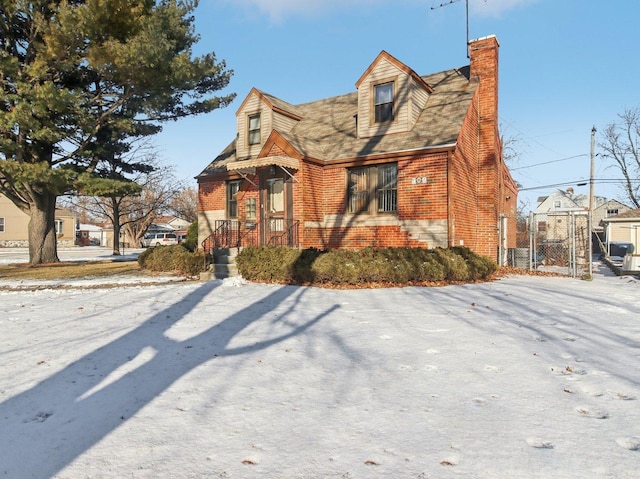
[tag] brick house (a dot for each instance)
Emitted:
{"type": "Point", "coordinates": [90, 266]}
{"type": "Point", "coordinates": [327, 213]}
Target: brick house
{"type": "Point", "coordinates": [405, 160]}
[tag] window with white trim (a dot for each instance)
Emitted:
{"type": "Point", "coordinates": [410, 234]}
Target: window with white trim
{"type": "Point", "coordinates": [59, 227]}
{"type": "Point", "coordinates": [383, 102]}
{"type": "Point", "coordinates": [232, 200]}
{"type": "Point", "coordinates": [253, 133]}
{"type": "Point", "coordinates": [250, 208]}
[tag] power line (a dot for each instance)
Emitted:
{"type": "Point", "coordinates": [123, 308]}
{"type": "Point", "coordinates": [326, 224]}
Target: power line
{"type": "Point", "coordinates": [548, 162]}
{"type": "Point", "coordinates": [580, 183]}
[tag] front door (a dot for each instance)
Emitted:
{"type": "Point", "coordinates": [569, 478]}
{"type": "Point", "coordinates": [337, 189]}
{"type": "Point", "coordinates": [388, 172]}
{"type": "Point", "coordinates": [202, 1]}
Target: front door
{"type": "Point", "coordinates": [276, 208]}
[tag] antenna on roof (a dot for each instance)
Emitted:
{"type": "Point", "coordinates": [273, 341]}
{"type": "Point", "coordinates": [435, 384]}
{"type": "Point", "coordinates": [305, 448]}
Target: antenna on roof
{"type": "Point", "coordinates": [444, 4]}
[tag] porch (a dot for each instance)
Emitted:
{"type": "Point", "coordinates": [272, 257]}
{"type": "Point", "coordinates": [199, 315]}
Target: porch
{"type": "Point", "coordinates": [230, 236]}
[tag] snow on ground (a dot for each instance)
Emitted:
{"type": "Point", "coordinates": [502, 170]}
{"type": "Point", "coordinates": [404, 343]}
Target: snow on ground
{"type": "Point", "coordinates": [524, 377]}
{"type": "Point", "coordinates": [90, 253]}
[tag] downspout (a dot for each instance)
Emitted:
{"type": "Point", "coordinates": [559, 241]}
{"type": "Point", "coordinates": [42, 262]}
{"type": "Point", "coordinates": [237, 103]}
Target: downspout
{"type": "Point", "coordinates": [502, 225]}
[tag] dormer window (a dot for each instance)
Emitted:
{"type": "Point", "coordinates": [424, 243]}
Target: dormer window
{"type": "Point", "coordinates": [383, 102]}
{"type": "Point", "coordinates": [254, 129]}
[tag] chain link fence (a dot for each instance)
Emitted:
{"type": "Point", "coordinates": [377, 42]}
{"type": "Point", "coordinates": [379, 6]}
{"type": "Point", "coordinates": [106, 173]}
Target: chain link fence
{"type": "Point", "coordinates": [555, 242]}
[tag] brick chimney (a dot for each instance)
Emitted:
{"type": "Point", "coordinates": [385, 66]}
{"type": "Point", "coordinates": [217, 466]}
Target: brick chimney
{"type": "Point", "coordinates": [484, 66]}
{"type": "Point", "coordinates": [483, 54]}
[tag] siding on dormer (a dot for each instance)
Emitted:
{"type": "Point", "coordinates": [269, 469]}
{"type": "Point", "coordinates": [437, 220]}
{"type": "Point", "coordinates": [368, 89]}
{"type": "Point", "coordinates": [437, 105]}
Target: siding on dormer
{"type": "Point", "coordinates": [282, 123]}
{"type": "Point", "coordinates": [409, 100]}
{"type": "Point", "coordinates": [269, 120]}
{"type": "Point", "coordinates": [419, 97]}
{"type": "Point", "coordinates": [252, 105]}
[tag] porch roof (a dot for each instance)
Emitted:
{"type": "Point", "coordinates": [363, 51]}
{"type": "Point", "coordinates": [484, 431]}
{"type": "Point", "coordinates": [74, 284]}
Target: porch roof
{"type": "Point", "coordinates": [283, 161]}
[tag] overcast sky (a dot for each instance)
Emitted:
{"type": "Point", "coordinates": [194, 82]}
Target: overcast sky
{"type": "Point", "coordinates": [565, 66]}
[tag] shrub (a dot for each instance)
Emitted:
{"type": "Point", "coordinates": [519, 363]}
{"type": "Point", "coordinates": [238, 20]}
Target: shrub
{"type": "Point", "coordinates": [172, 259]}
{"type": "Point", "coordinates": [191, 241]}
{"type": "Point", "coordinates": [370, 265]}
{"type": "Point", "coordinates": [276, 264]}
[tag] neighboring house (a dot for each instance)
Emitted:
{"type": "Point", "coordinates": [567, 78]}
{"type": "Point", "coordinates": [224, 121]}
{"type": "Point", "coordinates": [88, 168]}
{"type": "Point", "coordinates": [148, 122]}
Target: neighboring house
{"type": "Point", "coordinates": [406, 160]}
{"type": "Point", "coordinates": [623, 228]}
{"type": "Point", "coordinates": [90, 235]}
{"type": "Point", "coordinates": [14, 224]}
{"type": "Point", "coordinates": [170, 222]}
{"type": "Point", "coordinates": [608, 209]}
{"type": "Point", "coordinates": [558, 201]}
{"type": "Point", "coordinates": [553, 211]}
{"type": "Point", "coordinates": [555, 216]}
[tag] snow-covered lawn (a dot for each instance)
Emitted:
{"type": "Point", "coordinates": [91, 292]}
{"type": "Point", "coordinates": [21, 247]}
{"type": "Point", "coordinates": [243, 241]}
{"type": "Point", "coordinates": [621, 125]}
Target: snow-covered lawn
{"type": "Point", "coordinates": [525, 377]}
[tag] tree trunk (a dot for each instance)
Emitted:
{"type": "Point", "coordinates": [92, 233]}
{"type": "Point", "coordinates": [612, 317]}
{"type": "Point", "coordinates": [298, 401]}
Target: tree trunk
{"type": "Point", "coordinates": [115, 207]}
{"type": "Point", "coordinates": [43, 246]}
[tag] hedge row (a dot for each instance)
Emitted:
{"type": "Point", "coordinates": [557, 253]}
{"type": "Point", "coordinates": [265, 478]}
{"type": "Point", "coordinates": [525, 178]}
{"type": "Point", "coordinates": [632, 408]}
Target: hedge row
{"type": "Point", "coordinates": [174, 258]}
{"type": "Point", "coordinates": [370, 265]}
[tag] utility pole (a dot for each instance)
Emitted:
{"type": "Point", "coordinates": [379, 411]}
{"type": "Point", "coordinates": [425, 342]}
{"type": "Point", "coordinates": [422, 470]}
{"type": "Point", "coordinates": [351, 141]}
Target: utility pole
{"type": "Point", "coordinates": [591, 198]}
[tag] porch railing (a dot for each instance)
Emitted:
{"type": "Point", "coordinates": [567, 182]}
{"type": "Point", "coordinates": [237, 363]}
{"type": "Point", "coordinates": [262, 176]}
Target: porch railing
{"type": "Point", "coordinates": [237, 234]}
{"type": "Point", "coordinates": [287, 236]}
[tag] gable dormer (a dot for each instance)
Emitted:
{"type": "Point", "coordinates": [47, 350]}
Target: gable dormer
{"type": "Point", "coordinates": [260, 114]}
{"type": "Point", "coordinates": [391, 97]}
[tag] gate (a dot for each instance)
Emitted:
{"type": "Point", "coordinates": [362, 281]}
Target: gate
{"type": "Point", "coordinates": [553, 241]}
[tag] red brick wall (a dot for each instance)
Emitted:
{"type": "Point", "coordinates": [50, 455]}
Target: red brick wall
{"type": "Point", "coordinates": [211, 195]}
{"type": "Point", "coordinates": [484, 65]}
{"type": "Point", "coordinates": [464, 183]}
{"type": "Point", "coordinates": [423, 200]}
{"type": "Point", "coordinates": [464, 187]}
{"type": "Point", "coordinates": [416, 201]}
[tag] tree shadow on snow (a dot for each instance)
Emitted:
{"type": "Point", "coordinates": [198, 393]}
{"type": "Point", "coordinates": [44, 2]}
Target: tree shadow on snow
{"type": "Point", "coordinates": [97, 393]}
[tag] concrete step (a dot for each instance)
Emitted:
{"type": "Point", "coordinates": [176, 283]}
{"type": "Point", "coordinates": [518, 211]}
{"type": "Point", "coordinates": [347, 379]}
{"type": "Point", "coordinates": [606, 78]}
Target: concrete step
{"type": "Point", "coordinates": [224, 265]}
{"type": "Point", "coordinates": [226, 252]}
{"type": "Point", "coordinates": [222, 271]}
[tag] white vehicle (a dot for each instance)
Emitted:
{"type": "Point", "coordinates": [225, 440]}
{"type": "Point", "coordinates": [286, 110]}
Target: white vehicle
{"type": "Point", "coordinates": [158, 239]}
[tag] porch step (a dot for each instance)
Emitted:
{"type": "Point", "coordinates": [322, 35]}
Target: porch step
{"type": "Point", "coordinates": [224, 265]}
{"type": "Point", "coordinates": [224, 270]}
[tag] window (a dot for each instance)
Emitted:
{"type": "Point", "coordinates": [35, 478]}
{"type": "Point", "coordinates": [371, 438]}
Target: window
{"type": "Point", "coordinates": [275, 195]}
{"type": "Point", "coordinates": [1, 225]}
{"type": "Point", "coordinates": [557, 204]}
{"type": "Point", "coordinates": [232, 201]}
{"type": "Point", "coordinates": [383, 102]}
{"type": "Point", "coordinates": [373, 189]}
{"type": "Point", "coordinates": [612, 212]}
{"type": "Point", "coordinates": [250, 208]}
{"type": "Point", "coordinates": [59, 229]}
{"type": "Point", "coordinates": [254, 129]}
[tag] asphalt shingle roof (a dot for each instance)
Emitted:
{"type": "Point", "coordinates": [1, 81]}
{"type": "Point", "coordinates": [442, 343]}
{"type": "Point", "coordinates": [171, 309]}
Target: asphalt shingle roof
{"type": "Point", "coordinates": [327, 130]}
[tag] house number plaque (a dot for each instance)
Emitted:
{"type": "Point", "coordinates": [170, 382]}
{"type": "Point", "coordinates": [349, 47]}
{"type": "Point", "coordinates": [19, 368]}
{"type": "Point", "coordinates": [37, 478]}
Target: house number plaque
{"type": "Point", "coordinates": [420, 180]}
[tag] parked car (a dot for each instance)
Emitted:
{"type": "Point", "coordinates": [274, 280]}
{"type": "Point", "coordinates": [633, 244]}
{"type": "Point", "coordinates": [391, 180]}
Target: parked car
{"type": "Point", "coordinates": [158, 239]}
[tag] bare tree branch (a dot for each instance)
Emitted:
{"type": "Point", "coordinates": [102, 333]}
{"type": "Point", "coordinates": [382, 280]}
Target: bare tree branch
{"type": "Point", "coordinates": [621, 145]}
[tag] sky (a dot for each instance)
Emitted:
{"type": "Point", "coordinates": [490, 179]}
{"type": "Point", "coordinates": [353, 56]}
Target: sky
{"type": "Point", "coordinates": [566, 66]}
{"type": "Point", "coordinates": [525, 377]}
